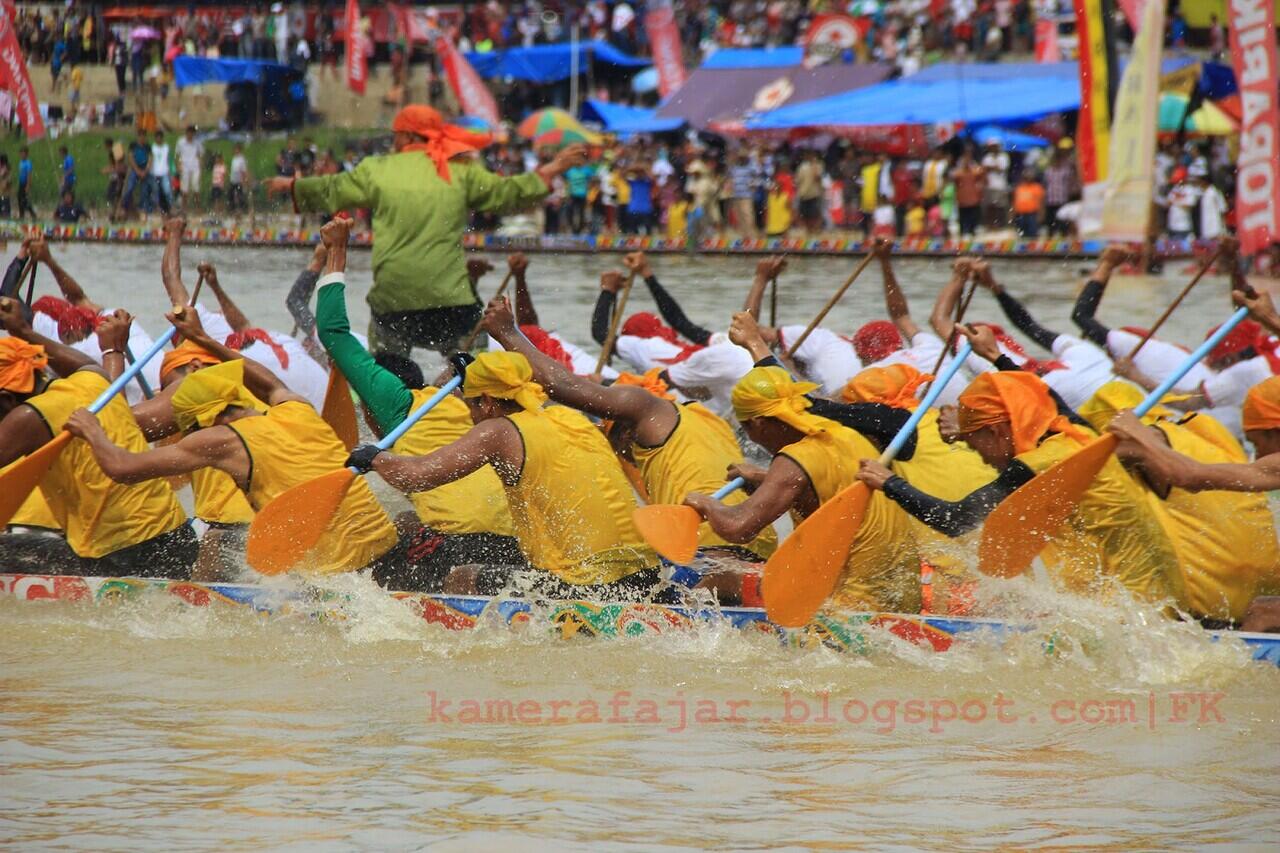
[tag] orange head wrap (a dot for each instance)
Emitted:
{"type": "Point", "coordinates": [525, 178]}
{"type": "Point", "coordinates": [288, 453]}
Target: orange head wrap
{"type": "Point", "coordinates": [651, 381]}
{"type": "Point", "coordinates": [184, 354]}
{"type": "Point", "coordinates": [895, 385]}
{"type": "Point", "coordinates": [19, 362]}
{"type": "Point", "coordinates": [1018, 399]}
{"type": "Point", "coordinates": [1261, 409]}
{"type": "Point", "coordinates": [440, 141]}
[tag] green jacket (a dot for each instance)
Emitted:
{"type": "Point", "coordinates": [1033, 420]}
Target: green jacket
{"type": "Point", "coordinates": [418, 220]}
{"type": "Point", "coordinates": [382, 392]}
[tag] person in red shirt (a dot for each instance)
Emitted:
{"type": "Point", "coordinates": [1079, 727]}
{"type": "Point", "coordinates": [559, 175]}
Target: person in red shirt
{"type": "Point", "coordinates": [904, 192]}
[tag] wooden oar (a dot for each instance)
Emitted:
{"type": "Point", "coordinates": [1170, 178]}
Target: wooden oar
{"type": "Point", "coordinates": [284, 531]}
{"type": "Point", "coordinates": [1024, 523]}
{"type": "Point", "coordinates": [475, 332]}
{"type": "Point", "coordinates": [609, 341]}
{"type": "Point", "coordinates": [23, 476]}
{"type": "Point", "coordinates": [1204, 268]}
{"type": "Point", "coordinates": [773, 302]}
{"type": "Point", "coordinates": [672, 529]}
{"type": "Point", "coordinates": [339, 411]}
{"type": "Point", "coordinates": [831, 303]}
{"type": "Point", "coordinates": [962, 307]}
{"type": "Point", "coordinates": [31, 281]}
{"type": "Point", "coordinates": [804, 571]}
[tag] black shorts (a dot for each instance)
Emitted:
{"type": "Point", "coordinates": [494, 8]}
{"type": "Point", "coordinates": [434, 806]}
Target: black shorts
{"type": "Point", "coordinates": [645, 585]}
{"type": "Point", "coordinates": [423, 561]}
{"type": "Point", "coordinates": [169, 555]}
{"type": "Point", "coordinates": [38, 551]}
{"type": "Point", "coordinates": [810, 209]}
{"type": "Point", "coordinates": [438, 329]}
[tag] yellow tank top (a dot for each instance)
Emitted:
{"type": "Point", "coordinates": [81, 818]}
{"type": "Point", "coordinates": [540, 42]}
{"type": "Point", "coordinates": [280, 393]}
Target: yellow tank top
{"type": "Point", "coordinates": [950, 472]}
{"type": "Point", "coordinates": [100, 516]}
{"type": "Point", "coordinates": [474, 504]}
{"type": "Point", "coordinates": [1211, 430]}
{"type": "Point", "coordinates": [694, 458]}
{"type": "Point", "coordinates": [1113, 533]}
{"type": "Point", "coordinates": [218, 499]}
{"type": "Point", "coordinates": [883, 572]}
{"type": "Point", "coordinates": [573, 505]}
{"type": "Point", "coordinates": [292, 444]}
{"type": "Point", "coordinates": [34, 511]}
{"type": "Point", "coordinates": [1226, 541]}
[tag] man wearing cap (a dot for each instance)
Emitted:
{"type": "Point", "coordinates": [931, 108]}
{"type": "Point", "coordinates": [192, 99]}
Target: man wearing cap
{"type": "Point", "coordinates": [420, 196]}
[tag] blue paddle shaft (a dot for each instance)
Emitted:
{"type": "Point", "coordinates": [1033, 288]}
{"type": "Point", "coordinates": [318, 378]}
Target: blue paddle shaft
{"type": "Point", "coordinates": [416, 415]}
{"type": "Point", "coordinates": [1192, 360]}
{"type": "Point", "coordinates": [728, 488]}
{"type": "Point", "coordinates": [131, 371]}
{"type": "Point", "coordinates": [935, 390]}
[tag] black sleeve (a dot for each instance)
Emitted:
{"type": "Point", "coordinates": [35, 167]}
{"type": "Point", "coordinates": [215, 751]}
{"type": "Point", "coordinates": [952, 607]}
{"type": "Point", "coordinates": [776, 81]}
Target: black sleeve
{"type": "Point", "coordinates": [1006, 363]}
{"type": "Point", "coordinates": [1083, 314]}
{"type": "Point", "coordinates": [956, 518]}
{"type": "Point", "coordinates": [1022, 319]}
{"type": "Point", "coordinates": [299, 301]}
{"type": "Point", "coordinates": [602, 316]}
{"type": "Point", "coordinates": [11, 278]}
{"type": "Point", "coordinates": [877, 422]}
{"type": "Point", "coordinates": [674, 315]}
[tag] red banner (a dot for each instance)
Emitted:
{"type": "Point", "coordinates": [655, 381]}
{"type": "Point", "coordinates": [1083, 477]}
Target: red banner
{"type": "Point", "coordinates": [1253, 55]}
{"type": "Point", "coordinates": [15, 79]}
{"type": "Point", "coordinates": [664, 43]}
{"type": "Point", "coordinates": [474, 97]}
{"type": "Point", "coordinates": [357, 59]}
{"type": "Point", "coordinates": [1047, 47]}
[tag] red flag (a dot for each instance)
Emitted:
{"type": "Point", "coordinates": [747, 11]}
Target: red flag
{"type": "Point", "coordinates": [474, 97]}
{"type": "Point", "coordinates": [357, 60]}
{"type": "Point", "coordinates": [1253, 54]}
{"type": "Point", "coordinates": [664, 44]}
{"type": "Point", "coordinates": [1047, 47]}
{"type": "Point", "coordinates": [14, 77]}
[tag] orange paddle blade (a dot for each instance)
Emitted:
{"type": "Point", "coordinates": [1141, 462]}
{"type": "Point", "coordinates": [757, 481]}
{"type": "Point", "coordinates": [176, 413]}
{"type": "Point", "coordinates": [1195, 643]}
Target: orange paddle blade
{"type": "Point", "coordinates": [284, 531]}
{"type": "Point", "coordinates": [804, 571]}
{"type": "Point", "coordinates": [1020, 527]}
{"type": "Point", "coordinates": [339, 411]}
{"type": "Point", "coordinates": [20, 479]}
{"type": "Point", "coordinates": [671, 530]}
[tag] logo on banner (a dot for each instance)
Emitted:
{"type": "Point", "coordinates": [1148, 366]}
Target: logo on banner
{"type": "Point", "coordinates": [831, 35]}
{"type": "Point", "coordinates": [1253, 55]}
{"type": "Point", "coordinates": [773, 96]}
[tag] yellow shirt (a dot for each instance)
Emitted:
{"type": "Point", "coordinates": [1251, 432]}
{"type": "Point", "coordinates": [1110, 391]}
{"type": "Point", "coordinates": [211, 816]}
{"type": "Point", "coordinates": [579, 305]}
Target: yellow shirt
{"type": "Point", "coordinates": [218, 499]}
{"type": "Point", "coordinates": [474, 504]}
{"type": "Point", "coordinates": [1113, 533]}
{"type": "Point", "coordinates": [694, 458]}
{"type": "Point", "coordinates": [914, 220]}
{"type": "Point", "coordinates": [291, 444]}
{"type": "Point", "coordinates": [778, 215]}
{"type": "Point", "coordinates": [573, 505]}
{"type": "Point", "coordinates": [99, 515]}
{"type": "Point", "coordinates": [678, 220]}
{"type": "Point", "coordinates": [883, 572]}
{"type": "Point", "coordinates": [870, 199]}
{"type": "Point", "coordinates": [1211, 430]}
{"type": "Point", "coordinates": [1226, 541]}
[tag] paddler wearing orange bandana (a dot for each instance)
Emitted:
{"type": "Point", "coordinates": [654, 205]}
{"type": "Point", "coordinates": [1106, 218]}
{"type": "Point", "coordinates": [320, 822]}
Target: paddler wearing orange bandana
{"type": "Point", "coordinates": [1020, 428]}
{"type": "Point", "coordinates": [420, 196]}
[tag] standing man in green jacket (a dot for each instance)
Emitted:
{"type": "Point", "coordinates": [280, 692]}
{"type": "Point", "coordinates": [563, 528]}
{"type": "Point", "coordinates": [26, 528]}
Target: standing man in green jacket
{"type": "Point", "coordinates": [420, 196]}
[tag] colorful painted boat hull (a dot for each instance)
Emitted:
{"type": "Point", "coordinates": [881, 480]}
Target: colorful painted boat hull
{"type": "Point", "coordinates": [563, 618]}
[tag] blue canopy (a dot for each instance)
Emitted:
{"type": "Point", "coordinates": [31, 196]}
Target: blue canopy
{"type": "Point", "coordinates": [624, 120]}
{"type": "Point", "coordinates": [548, 63]}
{"type": "Point", "coordinates": [1010, 140]}
{"type": "Point", "coordinates": [195, 70]}
{"type": "Point", "coordinates": [755, 57]}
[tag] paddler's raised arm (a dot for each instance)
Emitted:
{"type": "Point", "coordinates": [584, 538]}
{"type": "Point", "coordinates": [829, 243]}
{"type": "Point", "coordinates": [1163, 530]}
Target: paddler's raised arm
{"type": "Point", "coordinates": [895, 302]}
{"type": "Point", "coordinates": [1165, 467]}
{"type": "Point", "coordinates": [668, 307]}
{"type": "Point", "coordinates": [944, 308]}
{"type": "Point", "coordinates": [782, 486]}
{"type": "Point", "coordinates": [493, 442]}
{"type": "Point", "coordinates": [171, 261]}
{"type": "Point", "coordinates": [217, 448]}
{"type": "Point", "coordinates": [67, 283]}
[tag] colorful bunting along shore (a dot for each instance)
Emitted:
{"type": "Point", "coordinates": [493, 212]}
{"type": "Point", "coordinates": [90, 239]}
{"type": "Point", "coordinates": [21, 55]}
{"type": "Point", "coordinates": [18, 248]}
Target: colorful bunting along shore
{"type": "Point", "coordinates": [300, 237]}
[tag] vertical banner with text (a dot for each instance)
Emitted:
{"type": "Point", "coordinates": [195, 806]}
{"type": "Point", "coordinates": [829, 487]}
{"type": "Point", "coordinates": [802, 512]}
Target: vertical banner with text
{"type": "Point", "coordinates": [357, 59]}
{"type": "Point", "coordinates": [474, 97]}
{"type": "Point", "coordinates": [1093, 127]}
{"type": "Point", "coordinates": [664, 42]}
{"type": "Point", "coordinates": [1253, 55]}
{"type": "Point", "coordinates": [14, 77]}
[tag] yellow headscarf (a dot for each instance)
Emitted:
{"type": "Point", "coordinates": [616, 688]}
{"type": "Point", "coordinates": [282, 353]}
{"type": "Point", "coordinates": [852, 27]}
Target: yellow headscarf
{"type": "Point", "coordinates": [19, 362]}
{"type": "Point", "coordinates": [204, 395]}
{"type": "Point", "coordinates": [895, 385]}
{"type": "Point", "coordinates": [770, 392]}
{"type": "Point", "coordinates": [506, 376]}
{"type": "Point", "coordinates": [1019, 399]}
{"type": "Point", "coordinates": [1108, 400]}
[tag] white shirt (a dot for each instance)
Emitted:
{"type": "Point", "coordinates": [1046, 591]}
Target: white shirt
{"type": "Point", "coordinates": [1213, 207]}
{"type": "Point", "coordinates": [303, 376]}
{"type": "Point", "coordinates": [662, 171]}
{"type": "Point", "coordinates": [160, 160]}
{"type": "Point", "coordinates": [189, 154]}
{"type": "Point", "coordinates": [923, 354]}
{"type": "Point", "coordinates": [1157, 359]}
{"type": "Point", "coordinates": [1182, 201]}
{"type": "Point", "coordinates": [139, 343]}
{"type": "Point", "coordinates": [645, 353]}
{"type": "Point", "coordinates": [1088, 369]}
{"type": "Point", "coordinates": [997, 166]}
{"type": "Point", "coordinates": [1227, 388]}
{"type": "Point", "coordinates": [716, 369]}
{"type": "Point", "coordinates": [239, 169]}
{"type": "Point", "coordinates": [825, 357]}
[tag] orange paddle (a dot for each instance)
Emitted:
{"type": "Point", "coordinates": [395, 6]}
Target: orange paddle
{"type": "Point", "coordinates": [284, 531]}
{"type": "Point", "coordinates": [804, 571]}
{"type": "Point", "coordinates": [339, 410]}
{"type": "Point", "coordinates": [1018, 529]}
{"type": "Point", "coordinates": [672, 529]}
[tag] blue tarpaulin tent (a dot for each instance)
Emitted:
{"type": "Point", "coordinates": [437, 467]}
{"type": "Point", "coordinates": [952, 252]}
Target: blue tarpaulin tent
{"type": "Point", "coordinates": [754, 57]}
{"type": "Point", "coordinates": [259, 94]}
{"type": "Point", "coordinates": [1010, 140]}
{"type": "Point", "coordinates": [624, 120]}
{"type": "Point", "coordinates": [548, 63]}
{"type": "Point", "coordinates": [196, 70]}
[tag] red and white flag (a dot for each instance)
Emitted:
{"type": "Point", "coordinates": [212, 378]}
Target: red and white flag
{"type": "Point", "coordinates": [474, 97]}
{"type": "Point", "coordinates": [15, 79]}
{"type": "Point", "coordinates": [1253, 54]}
{"type": "Point", "coordinates": [357, 60]}
{"type": "Point", "coordinates": [664, 43]}
{"type": "Point", "coordinates": [1047, 46]}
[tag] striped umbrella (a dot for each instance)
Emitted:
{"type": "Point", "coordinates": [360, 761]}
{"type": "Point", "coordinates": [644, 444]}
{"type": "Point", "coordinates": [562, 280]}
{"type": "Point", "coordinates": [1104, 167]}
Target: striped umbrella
{"type": "Point", "coordinates": [553, 127]}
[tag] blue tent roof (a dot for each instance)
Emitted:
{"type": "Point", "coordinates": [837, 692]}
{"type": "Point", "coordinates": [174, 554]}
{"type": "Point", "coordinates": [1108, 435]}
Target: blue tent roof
{"type": "Point", "coordinates": [195, 70]}
{"type": "Point", "coordinates": [547, 63]}
{"type": "Point", "coordinates": [755, 57]}
{"type": "Point", "coordinates": [625, 120]}
{"type": "Point", "coordinates": [1010, 140]}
